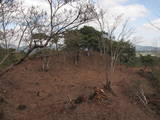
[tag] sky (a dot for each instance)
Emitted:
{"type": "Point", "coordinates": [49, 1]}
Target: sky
{"type": "Point", "coordinates": [140, 13]}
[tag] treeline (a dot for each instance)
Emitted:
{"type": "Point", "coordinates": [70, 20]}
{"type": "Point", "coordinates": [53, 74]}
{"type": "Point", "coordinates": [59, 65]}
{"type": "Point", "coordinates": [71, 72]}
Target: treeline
{"type": "Point", "coordinates": [86, 39]}
{"type": "Point", "coordinates": [91, 40]}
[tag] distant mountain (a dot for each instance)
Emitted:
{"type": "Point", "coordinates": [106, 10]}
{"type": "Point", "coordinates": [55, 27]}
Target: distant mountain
{"type": "Point", "coordinates": [21, 48]}
{"type": "Point", "coordinates": [146, 48]}
{"type": "Point", "coordinates": [12, 46]}
{"type": "Point", "coordinates": [139, 48]}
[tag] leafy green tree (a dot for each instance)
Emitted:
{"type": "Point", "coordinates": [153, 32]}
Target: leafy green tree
{"type": "Point", "coordinates": [125, 49]}
{"type": "Point", "coordinates": [128, 53]}
{"type": "Point", "coordinates": [73, 42]}
{"type": "Point", "coordinates": [146, 61]}
{"type": "Point", "coordinates": [91, 38]}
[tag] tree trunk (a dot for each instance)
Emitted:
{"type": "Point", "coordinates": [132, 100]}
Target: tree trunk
{"type": "Point", "coordinates": [77, 57]}
{"type": "Point", "coordinates": [108, 81]}
{"type": "Point", "coordinates": [45, 63]}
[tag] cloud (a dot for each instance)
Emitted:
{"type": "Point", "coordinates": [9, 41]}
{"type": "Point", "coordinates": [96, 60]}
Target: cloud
{"type": "Point", "coordinates": [154, 24]}
{"type": "Point", "coordinates": [117, 7]}
{"type": "Point", "coordinates": [110, 3]}
{"type": "Point", "coordinates": [37, 3]}
{"type": "Point", "coordinates": [150, 33]}
{"type": "Point", "coordinates": [130, 11]}
{"type": "Point", "coordinates": [133, 12]}
{"type": "Point", "coordinates": [114, 7]}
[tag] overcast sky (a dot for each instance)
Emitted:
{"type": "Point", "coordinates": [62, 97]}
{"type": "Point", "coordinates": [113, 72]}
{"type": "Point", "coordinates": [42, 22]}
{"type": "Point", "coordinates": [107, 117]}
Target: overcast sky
{"type": "Point", "coordinates": [140, 13]}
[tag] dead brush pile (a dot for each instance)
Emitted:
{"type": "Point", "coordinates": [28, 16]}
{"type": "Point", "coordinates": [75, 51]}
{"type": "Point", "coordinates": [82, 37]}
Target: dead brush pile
{"type": "Point", "coordinates": [98, 96]}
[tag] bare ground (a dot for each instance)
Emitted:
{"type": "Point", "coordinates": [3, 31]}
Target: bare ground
{"type": "Point", "coordinates": [31, 94]}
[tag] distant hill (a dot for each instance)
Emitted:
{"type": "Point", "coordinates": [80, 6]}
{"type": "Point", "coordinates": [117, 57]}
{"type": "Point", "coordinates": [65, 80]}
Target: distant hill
{"type": "Point", "coordinates": [139, 48]}
{"type": "Point", "coordinates": [146, 48]}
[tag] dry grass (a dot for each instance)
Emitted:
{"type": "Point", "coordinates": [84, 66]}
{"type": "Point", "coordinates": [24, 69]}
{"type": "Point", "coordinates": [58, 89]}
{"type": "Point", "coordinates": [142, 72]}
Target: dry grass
{"type": "Point", "coordinates": [45, 94]}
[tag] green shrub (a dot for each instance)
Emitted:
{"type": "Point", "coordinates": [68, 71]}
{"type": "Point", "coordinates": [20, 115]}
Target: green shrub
{"type": "Point", "coordinates": [13, 58]}
{"type": "Point", "coordinates": [146, 60]}
{"type": "Point", "coordinates": [132, 89]}
{"type": "Point", "coordinates": [41, 52]}
{"type": "Point", "coordinates": [155, 78]}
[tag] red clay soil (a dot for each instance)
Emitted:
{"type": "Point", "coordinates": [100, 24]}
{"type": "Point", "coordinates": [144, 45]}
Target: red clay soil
{"type": "Point", "coordinates": [31, 94]}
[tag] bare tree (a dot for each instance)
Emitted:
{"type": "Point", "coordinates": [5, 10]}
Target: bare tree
{"type": "Point", "coordinates": [7, 9]}
{"type": "Point", "coordinates": [154, 25]}
{"type": "Point", "coordinates": [8, 26]}
{"type": "Point", "coordinates": [62, 15]}
{"type": "Point", "coordinates": [157, 27]}
{"type": "Point", "coordinates": [72, 41]}
{"type": "Point", "coordinates": [13, 26]}
{"type": "Point", "coordinates": [116, 31]}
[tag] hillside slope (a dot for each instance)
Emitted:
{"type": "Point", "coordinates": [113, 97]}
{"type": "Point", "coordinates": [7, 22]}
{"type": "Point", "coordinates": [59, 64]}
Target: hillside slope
{"type": "Point", "coordinates": [31, 94]}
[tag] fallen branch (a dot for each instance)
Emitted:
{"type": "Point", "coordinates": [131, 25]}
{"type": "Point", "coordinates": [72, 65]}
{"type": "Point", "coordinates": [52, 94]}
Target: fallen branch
{"type": "Point", "coordinates": [142, 97]}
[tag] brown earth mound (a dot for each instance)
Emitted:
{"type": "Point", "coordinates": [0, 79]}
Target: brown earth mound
{"type": "Point", "coordinates": [67, 92]}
